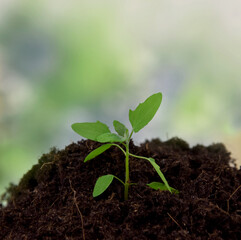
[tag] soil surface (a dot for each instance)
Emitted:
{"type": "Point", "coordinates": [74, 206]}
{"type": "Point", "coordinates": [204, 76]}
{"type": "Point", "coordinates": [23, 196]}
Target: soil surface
{"type": "Point", "coordinates": [54, 199]}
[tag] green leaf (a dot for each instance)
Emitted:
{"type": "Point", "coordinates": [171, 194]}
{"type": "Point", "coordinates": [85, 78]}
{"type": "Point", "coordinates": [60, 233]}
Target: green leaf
{"type": "Point", "coordinates": [145, 111]}
{"type": "Point", "coordinates": [90, 130]}
{"type": "Point", "coordinates": [120, 128]}
{"type": "Point", "coordinates": [109, 137]}
{"type": "Point", "coordinates": [102, 184]}
{"type": "Point", "coordinates": [97, 152]}
{"type": "Point", "coordinates": [157, 168]}
{"type": "Point", "coordinates": [161, 186]}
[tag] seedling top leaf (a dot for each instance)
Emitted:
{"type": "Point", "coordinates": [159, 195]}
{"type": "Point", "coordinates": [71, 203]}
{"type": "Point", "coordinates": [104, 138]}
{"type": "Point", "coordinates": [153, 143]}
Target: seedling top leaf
{"type": "Point", "coordinates": [145, 111]}
{"type": "Point", "coordinates": [98, 131]}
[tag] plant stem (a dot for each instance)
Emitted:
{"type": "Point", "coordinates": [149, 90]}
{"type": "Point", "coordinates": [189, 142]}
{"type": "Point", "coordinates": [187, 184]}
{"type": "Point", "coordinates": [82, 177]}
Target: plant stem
{"type": "Point", "coordinates": [119, 180]}
{"type": "Point", "coordinates": [119, 147]}
{"type": "Point", "coordinates": [136, 156]}
{"type": "Point", "coordinates": [127, 177]}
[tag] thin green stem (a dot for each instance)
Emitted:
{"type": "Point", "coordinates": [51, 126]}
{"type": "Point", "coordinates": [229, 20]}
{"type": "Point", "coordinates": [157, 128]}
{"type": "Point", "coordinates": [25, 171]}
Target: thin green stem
{"type": "Point", "coordinates": [136, 156]}
{"type": "Point", "coordinates": [133, 184]}
{"type": "Point", "coordinates": [156, 167]}
{"type": "Point", "coordinates": [119, 180]}
{"type": "Point", "coordinates": [119, 148]}
{"type": "Point", "coordinates": [127, 177]}
{"type": "Point", "coordinates": [130, 135]}
{"type": "Point", "coordinates": [127, 171]}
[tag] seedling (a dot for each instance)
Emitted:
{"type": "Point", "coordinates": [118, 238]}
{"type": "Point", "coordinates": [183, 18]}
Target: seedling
{"type": "Point", "coordinates": [98, 131]}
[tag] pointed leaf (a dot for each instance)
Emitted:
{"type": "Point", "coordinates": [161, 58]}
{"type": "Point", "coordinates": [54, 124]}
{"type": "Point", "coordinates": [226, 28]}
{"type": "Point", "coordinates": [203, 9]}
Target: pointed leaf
{"type": "Point", "coordinates": [161, 186]}
{"type": "Point", "coordinates": [120, 128]}
{"type": "Point", "coordinates": [102, 184]}
{"type": "Point", "coordinates": [109, 137]}
{"type": "Point", "coordinates": [90, 130]}
{"type": "Point", "coordinates": [97, 152]}
{"type": "Point", "coordinates": [145, 111]}
{"type": "Point", "coordinates": [157, 168]}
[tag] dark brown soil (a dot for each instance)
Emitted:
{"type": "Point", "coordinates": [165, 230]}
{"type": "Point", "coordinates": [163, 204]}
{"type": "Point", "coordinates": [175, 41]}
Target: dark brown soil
{"type": "Point", "coordinates": [54, 199]}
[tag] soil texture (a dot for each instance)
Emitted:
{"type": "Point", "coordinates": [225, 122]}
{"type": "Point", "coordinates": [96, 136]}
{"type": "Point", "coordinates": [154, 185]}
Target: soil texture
{"type": "Point", "coordinates": [54, 199]}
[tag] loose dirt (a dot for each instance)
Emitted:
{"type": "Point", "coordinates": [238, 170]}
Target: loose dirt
{"type": "Point", "coordinates": [54, 199]}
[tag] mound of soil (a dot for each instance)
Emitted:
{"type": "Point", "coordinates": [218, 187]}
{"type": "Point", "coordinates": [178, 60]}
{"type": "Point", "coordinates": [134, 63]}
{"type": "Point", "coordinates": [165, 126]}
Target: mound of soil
{"type": "Point", "coordinates": [54, 199]}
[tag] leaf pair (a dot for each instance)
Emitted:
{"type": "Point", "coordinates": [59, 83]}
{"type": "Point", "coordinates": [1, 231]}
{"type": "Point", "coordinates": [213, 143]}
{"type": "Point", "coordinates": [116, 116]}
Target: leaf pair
{"type": "Point", "coordinates": [104, 182]}
{"type": "Point", "coordinates": [139, 118]}
{"type": "Point", "coordinates": [98, 131]}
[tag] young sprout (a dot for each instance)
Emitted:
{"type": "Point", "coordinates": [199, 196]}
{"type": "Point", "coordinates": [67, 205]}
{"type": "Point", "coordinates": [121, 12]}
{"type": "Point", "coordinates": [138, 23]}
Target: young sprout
{"type": "Point", "coordinates": [98, 131]}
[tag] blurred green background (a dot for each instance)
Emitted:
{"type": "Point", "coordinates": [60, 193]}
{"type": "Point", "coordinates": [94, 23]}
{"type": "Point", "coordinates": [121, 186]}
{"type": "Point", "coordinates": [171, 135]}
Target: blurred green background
{"type": "Point", "coordinates": [72, 61]}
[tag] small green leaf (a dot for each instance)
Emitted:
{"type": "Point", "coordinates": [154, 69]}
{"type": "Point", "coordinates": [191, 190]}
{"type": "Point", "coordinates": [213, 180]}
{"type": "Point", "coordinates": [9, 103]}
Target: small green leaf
{"type": "Point", "coordinates": [109, 137]}
{"type": "Point", "coordinates": [120, 128]}
{"type": "Point", "coordinates": [157, 186]}
{"type": "Point", "coordinates": [97, 152]}
{"type": "Point", "coordinates": [161, 186]}
{"type": "Point", "coordinates": [102, 184]}
{"type": "Point", "coordinates": [144, 112]}
{"type": "Point", "coordinates": [90, 130]}
{"type": "Point", "coordinates": [157, 168]}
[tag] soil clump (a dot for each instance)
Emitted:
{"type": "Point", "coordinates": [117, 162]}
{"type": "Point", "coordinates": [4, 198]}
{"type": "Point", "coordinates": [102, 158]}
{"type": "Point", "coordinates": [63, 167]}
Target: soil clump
{"type": "Point", "coordinates": [54, 199]}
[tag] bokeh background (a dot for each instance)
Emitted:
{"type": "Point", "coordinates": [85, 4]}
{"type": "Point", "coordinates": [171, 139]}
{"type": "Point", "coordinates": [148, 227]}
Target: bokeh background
{"type": "Point", "coordinates": [73, 61]}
